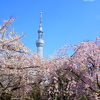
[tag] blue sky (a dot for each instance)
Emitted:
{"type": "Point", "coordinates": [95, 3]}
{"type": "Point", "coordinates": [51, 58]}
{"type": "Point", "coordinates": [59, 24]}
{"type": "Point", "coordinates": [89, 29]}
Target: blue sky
{"type": "Point", "coordinates": [64, 21]}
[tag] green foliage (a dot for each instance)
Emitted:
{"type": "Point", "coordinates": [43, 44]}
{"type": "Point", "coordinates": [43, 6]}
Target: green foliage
{"type": "Point", "coordinates": [5, 96]}
{"type": "Point", "coordinates": [83, 97]}
{"type": "Point", "coordinates": [36, 92]}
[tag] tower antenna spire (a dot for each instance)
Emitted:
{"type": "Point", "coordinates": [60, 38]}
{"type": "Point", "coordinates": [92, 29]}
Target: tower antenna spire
{"type": "Point", "coordinates": [41, 18]}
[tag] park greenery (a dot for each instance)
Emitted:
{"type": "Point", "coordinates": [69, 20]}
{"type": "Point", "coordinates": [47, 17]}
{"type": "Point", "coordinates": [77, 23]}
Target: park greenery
{"type": "Point", "coordinates": [25, 76]}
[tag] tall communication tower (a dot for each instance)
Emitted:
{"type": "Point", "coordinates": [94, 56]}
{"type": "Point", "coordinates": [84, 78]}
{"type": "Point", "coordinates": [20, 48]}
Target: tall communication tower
{"type": "Point", "coordinates": [40, 41]}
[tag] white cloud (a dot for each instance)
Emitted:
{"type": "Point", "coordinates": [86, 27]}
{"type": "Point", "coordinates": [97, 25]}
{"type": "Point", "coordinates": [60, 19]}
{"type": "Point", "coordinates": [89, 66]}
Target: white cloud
{"type": "Point", "coordinates": [88, 0]}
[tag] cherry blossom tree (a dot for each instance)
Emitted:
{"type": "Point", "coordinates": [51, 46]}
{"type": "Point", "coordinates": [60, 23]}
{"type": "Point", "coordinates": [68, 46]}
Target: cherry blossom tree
{"type": "Point", "coordinates": [26, 76]}
{"type": "Point", "coordinates": [16, 63]}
